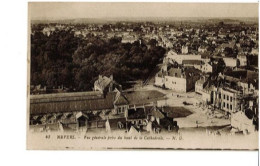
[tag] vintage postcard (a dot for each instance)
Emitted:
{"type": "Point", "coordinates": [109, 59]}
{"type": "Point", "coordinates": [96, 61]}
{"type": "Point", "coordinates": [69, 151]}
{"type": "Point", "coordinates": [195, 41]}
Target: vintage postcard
{"type": "Point", "coordinates": [142, 76]}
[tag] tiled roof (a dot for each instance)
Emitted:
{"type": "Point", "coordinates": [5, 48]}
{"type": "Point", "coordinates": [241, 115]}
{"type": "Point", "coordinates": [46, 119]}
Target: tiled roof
{"type": "Point", "coordinates": [175, 72]}
{"type": "Point", "coordinates": [62, 97]}
{"type": "Point", "coordinates": [120, 99]}
{"type": "Point", "coordinates": [73, 105]}
{"type": "Point", "coordinates": [103, 81]}
{"type": "Point", "coordinates": [156, 112]}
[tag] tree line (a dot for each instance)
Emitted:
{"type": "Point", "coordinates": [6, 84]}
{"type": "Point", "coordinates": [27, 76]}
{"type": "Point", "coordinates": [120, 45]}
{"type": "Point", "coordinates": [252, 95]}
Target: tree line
{"type": "Point", "coordinates": [63, 59]}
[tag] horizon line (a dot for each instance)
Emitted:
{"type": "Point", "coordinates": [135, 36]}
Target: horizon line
{"type": "Point", "coordinates": [209, 17]}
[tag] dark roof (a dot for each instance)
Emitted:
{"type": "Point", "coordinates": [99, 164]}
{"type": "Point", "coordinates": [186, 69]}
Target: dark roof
{"type": "Point", "coordinates": [205, 55]}
{"type": "Point", "coordinates": [59, 97]}
{"type": "Point", "coordinates": [191, 62]}
{"type": "Point", "coordinates": [176, 112]}
{"type": "Point", "coordinates": [70, 105]}
{"type": "Point", "coordinates": [242, 75]}
{"type": "Point", "coordinates": [142, 97]}
{"type": "Point", "coordinates": [156, 112]}
{"type": "Point", "coordinates": [103, 81]}
{"type": "Point", "coordinates": [176, 72]}
{"type": "Point", "coordinates": [165, 122]}
{"type": "Point", "coordinates": [138, 113]}
{"type": "Point", "coordinates": [120, 99]}
{"type": "Point", "coordinates": [87, 101]}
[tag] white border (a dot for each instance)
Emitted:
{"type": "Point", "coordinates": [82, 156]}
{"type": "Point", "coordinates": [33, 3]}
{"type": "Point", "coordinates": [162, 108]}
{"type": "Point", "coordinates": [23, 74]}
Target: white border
{"type": "Point", "coordinates": [13, 69]}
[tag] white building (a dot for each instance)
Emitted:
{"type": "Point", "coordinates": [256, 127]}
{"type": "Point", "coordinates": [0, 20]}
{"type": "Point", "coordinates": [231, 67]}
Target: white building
{"type": "Point", "coordinates": [226, 99]}
{"type": "Point", "coordinates": [242, 60]}
{"type": "Point", "coordinates": [207, 68]}
{"type": "Point", "coordinates": [202, 49]}
{"type": "Point", "coordinates": [254, 51]}
{"type": "Point", "coordinates": [230, 62]}
{"type": "Point", "coordinates": [172, 56]}
{"type": "Point", "coordinates": [177, 79]}
{"type": "Point", "coordinates": [184, 50]}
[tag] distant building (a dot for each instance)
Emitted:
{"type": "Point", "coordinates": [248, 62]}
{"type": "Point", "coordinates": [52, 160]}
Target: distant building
{"type": "Point", "coordinates": [48, 31]}
{"type": "Point", "coordinates": [230, 62]}
{"type": "Point", "coordinates": [202, 49]}
{"type": "Point", "coordinates": [192, 63]}
{"type": "Point", "coordinates": [174, 57]}
{"type": "Point", "coordinates": [242, 60]}
{"type": "Point", "coordinates": [129, 39]}
{"type": "Point", "coordinates": [184, 50]}
{"type": "Point", "coordinates": [208, 67]}
{"type": "Point", "coordinates": [254, 51]}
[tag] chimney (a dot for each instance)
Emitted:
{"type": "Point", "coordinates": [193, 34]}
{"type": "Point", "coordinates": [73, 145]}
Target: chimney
{"type": "Point", "coordinates": [154, 103]}
{"type": "Point", "coordinates": [111, 76]}
{"type": "Point", "coordinates": [99, 76]}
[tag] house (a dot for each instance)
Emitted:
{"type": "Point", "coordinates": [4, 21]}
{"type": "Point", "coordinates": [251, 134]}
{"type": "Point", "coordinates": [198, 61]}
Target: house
{"type": "Point", "coordinates": [230, 62]}
{"type": "Point", "coordinates": [105, 84]}
{"type": "Point", "coordinates": [48, 31]}
{"type": "Point", "coordinates": [242, 60]}
{"type": "Point", "coordinates": [160, 120]}
{"type": "Point", "coordinates": [254, 51]}
{"type": "Point", "coordinates": [129, 39]}
{"type": "Point", "coordinates": [246, 80]}
{"type": "Point", "coordinates": [136, 116]}
{"type": "Point", "coordinates": [226, 99]}
{"type": "Point", "coordinates": [174, 57]}
{"type": "Point", "coordinates": [180, 80]}
{"type": "Point", "coordinates": [202, 49]}
{"type": "Point", "coordinates": [184, 50]}
{"type": "Point", "coordinates": [230, 45]}
{"type": "Point", "coordinates": [205, 57]}
{"type": "Point", "coordinates": [208, 67]}
{"type": "Point", "coordinates": [150, 118]}
{"type": "Point", "coordinates": [192, 63]}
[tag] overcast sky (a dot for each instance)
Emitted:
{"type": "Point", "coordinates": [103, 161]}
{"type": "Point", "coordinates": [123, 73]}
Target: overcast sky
{"type": "Point", "coordinates": [111, 10]}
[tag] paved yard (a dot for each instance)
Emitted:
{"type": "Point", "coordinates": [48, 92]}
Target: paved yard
{"type": "Point", "coordinates": [200, 116]}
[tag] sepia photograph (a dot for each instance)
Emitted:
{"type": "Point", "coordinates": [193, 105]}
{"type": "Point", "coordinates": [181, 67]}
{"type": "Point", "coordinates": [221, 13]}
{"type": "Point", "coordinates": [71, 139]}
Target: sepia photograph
{"type": "Point", "coordinates": [142, 75]}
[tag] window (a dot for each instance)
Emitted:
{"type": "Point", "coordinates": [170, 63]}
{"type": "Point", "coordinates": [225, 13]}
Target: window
{"type": "Point", "coordinates": [224, 104]}
{"type": "Point", "coordinates": [231, 99]}
{"type": "Point", "coordinates": [120, 110]}
{"type": "Point", "coordinates": [227, 98]}
{"type": "Point", "coordinates": [224, 96]}
{"type": "Point", "coordinates": [230, 107]}
{"type": "Point", "coordinates": [219, 96]}
{"type": "Point", "coordinates": [227, 106]}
